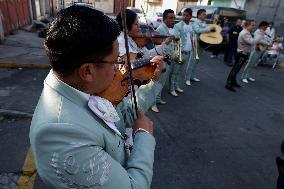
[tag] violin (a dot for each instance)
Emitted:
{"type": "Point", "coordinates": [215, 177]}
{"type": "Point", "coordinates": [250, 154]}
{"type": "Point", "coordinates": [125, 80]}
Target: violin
{"type": "Point", "coordinates": [142, 73]}
{"type": "Point", "coordinates": [155, 38]}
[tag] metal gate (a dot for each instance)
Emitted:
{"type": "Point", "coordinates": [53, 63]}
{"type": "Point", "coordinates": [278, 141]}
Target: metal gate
{"type": "Point", "coordinates": [15, 14]}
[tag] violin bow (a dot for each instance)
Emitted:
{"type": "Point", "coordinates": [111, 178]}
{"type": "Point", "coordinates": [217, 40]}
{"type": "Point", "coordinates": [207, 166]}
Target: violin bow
{"type": "Point", "coordinates": [132, 89]}
{"type": "Point", "coordinates": [144, 14]}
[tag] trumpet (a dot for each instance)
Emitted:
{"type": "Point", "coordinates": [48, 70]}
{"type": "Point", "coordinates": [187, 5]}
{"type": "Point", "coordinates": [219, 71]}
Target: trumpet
{"type": "Point", "coordinates": [195, 45]}
{"type": "Point", "coordinates": [177, 52]}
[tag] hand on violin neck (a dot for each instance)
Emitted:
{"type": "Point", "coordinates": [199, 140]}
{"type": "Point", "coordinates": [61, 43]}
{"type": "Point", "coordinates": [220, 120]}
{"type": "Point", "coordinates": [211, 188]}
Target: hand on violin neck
{"type": "Point", "coordinates": [169, 39]}
{"type": "Point", "coordinates": [158, 62]}
{"type": "Point", "coordinates": [143, 122]}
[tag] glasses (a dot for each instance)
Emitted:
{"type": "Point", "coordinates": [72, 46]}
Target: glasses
{"type": "Point", "coordinates": [120, 61]}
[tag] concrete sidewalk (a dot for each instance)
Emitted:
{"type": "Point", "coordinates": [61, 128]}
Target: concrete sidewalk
{"type": "Point", "coordinates": [24, 49]}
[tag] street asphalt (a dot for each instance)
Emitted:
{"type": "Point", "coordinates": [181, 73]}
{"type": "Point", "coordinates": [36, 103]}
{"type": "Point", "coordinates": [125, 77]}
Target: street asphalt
{"type": "Point", "coordinates": [208, 137]}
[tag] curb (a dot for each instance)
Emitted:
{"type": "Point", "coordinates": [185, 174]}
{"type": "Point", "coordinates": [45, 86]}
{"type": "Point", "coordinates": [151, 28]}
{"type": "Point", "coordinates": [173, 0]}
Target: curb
{"type": "Point", "coordinates": [14, 113]}
{"type": "Point", "coordinates": [24, 65]}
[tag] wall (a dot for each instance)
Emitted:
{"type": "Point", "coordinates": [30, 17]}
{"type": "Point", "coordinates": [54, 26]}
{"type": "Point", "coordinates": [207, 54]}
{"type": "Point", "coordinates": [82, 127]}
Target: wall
{"type": "Point", "coordinates": [15, 13]}
{"type": "Point", "coordinates": [106, 5]}
{"type": "Point", "coordinates": [269, 10]}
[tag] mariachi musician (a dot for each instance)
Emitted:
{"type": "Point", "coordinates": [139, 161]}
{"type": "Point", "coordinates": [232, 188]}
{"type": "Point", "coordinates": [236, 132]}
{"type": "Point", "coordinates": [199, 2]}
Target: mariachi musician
{"type": "Point", "coordinates": [183, 30]}
{"type": "Point", "coordinates": [199, 26]}
{"type": "Point", "coordinates": [77, 137]}
{"type": "Point", "coordinates": [134, 32]}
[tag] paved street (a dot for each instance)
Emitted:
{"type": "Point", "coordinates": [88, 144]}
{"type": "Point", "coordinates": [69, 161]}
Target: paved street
{"type": "Point", "coordinates": [207, 137]}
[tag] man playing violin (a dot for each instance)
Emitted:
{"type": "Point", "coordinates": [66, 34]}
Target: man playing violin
{"type": "Point", "coordinates": [133, 32]}
{"type": "Point", "coordinates": [166, 28]}
{"type": "Point", "coordinates": [77, 137]}
{"type": "Point", "coordinates": [199, 26]}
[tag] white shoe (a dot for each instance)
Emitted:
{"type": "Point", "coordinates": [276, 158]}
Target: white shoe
{"type": "Point", "coordinates": [155, 109]}
{"type": "Point", "coordinates": [173, 93]}
{"type": "Point", "coordinates": [162, 102]}
{"type": "Point", "coordinates": [251, 79]}
{"type": "Point", "coordinates": [213, 56]}
{"type": "Point", "coordinates": [179, 90]}
{"type": "Point", "coordinates": [187, 82]}
{"type": "Point", "coordinates": [195, 79]}
{"type": "Point", "coordinates": [245, 80]}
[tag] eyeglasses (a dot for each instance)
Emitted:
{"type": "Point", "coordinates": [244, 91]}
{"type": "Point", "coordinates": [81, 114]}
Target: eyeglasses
{"type": "Point", "coordinates": [120, 61]}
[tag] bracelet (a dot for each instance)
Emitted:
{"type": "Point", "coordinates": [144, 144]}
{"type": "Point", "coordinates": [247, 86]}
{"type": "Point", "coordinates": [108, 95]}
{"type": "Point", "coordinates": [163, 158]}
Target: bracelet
{"type": "Point", "coordinates": [141, 129]}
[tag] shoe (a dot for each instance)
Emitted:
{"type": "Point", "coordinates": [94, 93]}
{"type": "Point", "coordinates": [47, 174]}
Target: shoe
{"type": "Point", "coordinates": [230, 88]}
{"type": "Point", "coordinates": [245, 80]}
{"type": "Point", "coordinates": [179, 90]}
{"type": "Point", "coordinates": [173, 93]}
{"type": "Point", "coordinates": [213, 56]}
{"type": "Point", "coordinates": [237, 85]}
{"type": "Point", "coordinates": [251, 79]}
{"type": "Point", "coordinates": [155, 109]}
{"type": "Point", "coordinates": [187, 82]}
{"type": "Point", "coordinates": [195, 79]}
{"type": "Point", "coordinates": [162, 102]}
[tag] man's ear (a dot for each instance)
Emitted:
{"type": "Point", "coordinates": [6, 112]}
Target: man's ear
{"type": "Point", "coordinates": [86, 72]}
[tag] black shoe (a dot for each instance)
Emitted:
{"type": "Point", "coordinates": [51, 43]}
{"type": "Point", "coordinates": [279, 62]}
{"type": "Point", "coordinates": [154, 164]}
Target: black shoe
{"type": "Point", "coordinates": [237, 85]}
{"type": "Point", "coordinates": [230, 88]}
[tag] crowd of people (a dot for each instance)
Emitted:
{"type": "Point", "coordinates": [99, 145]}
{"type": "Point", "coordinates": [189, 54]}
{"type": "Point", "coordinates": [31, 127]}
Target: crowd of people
{"type": "Point", "coordinates": [80, 138]}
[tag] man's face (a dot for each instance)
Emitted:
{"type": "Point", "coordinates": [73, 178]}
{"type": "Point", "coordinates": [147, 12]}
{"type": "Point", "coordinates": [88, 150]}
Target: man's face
{"type": "Point", "coordinates": [186, 17]}
{"type": "Point", "coordinates": [251, 27]}
{"type": "Point", "coordinates": [170, 20]}
{"type": "Point", "coordinates": [103, 73]}
{"type": "Point", "coordinates": [239, 23]}
{"type": "Point", "coordinates": [202, 16]}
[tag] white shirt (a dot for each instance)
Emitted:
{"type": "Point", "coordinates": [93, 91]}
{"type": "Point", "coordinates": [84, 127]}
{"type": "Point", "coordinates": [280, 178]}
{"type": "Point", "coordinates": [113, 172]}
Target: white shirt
{"type": "Point", "coordinates": [187, 28]}
{"type": "Point", "coordinates": [270, 32]}
{"type": "Point", "coordinates": [274, 46]}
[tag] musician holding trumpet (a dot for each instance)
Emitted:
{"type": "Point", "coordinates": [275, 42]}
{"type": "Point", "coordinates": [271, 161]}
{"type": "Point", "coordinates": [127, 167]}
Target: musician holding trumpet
{"type": "Point", "coordinates": [199, 27]}
{"type": "Point", "coordinates": [183, 30]}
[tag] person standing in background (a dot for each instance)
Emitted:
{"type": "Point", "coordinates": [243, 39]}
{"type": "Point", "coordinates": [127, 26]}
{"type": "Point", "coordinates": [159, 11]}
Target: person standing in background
{"type": "Point", "coordinates": [199, 26]}
{"type": "Point", "coordinates": [183, 30]}
{"type": "Point", "coordinates": [232, 46]}
{"type": "Point", "coordinates": [245, 44]}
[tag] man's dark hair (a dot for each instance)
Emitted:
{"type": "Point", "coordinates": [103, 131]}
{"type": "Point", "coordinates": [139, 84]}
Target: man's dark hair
{"type": "Point", "coordinates": [166, 12]}
{"type": "Point", "coordinates": [130, 19]}
{"type": "Point", "coordinates": [200, 11]}
{"type": "Point", "coordinates": [189, 11]}
{"type": "Point", "coordinates": [248, 22]}
{"type": "Point", "coordinates": [263, 24]}
{"type": "Point", "coordinates": [79, 35]}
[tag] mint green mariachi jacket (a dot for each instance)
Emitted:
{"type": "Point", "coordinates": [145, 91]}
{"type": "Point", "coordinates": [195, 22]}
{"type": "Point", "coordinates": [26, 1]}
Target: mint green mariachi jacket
{"type": "Point", "coordinates": [179, 32]}
{"type": "Point", "coordinates": [73, 148]}
{"type": "Point", "coordinates": [164, 30]}
{"type": "Point", "coordinates": [200, 27]}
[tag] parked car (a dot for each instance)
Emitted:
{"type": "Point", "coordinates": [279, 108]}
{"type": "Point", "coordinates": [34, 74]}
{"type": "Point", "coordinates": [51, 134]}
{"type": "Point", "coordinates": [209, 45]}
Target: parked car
{"type": "Point", "coordinates": [231, 13]}
{"type": "Point", "coordinates": [154, 19]}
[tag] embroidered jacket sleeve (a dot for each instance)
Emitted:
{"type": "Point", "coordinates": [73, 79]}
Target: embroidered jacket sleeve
{"type": "Point", "coordinates": [164, 31]}
{"type": "Point", "coordinates": [81, 159]}
{"type": "Point", "coordinates": [199, 27]}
